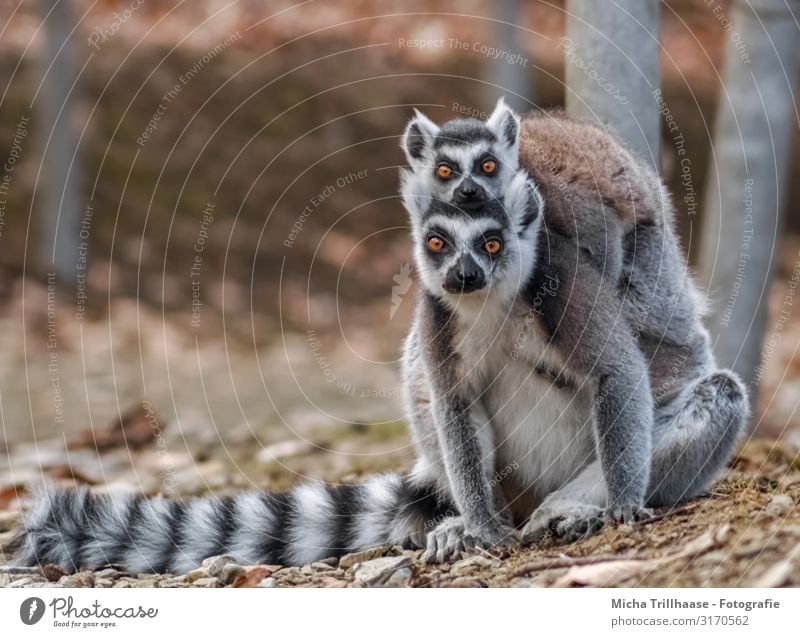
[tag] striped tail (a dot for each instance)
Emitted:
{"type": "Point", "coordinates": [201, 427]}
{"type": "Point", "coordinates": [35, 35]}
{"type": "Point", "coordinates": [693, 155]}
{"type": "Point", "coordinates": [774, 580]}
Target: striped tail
{"type": "Point", "coordinates": [76, 529]}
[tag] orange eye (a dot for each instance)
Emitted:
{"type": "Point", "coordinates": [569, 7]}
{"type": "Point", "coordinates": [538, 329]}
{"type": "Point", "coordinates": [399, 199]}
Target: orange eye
{"type": "Point", "coordinates": [492, 246]}
{"type": "Point", "coordinates": [444, 171]}
{"type": "Point", "coordinates": [489, 166]}
{"type": "Point", "coordinates": [435, 244]}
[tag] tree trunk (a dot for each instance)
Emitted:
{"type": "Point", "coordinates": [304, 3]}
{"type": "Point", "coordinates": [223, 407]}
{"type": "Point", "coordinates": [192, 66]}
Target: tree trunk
{"type": "Point", "coordinates": [59, 209]}
{"type": "Point", "coordinates": [509, 71]}
{"type": "Point", "coordinates": [742, 218]}
{"type": "Point", "coordinates": [612, 68]}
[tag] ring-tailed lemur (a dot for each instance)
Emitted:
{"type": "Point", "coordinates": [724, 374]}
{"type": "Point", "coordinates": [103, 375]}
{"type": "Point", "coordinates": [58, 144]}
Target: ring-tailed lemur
{"type": "Point", "coordinates": [557, 375]}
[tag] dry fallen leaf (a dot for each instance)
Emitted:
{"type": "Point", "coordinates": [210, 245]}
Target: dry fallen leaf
{"type": "Point", "coordinates": [66, 472]}
{"type": "Point", "coordinates": [137, 427]}
{"type": "Point", "coordinates": [9, 494]}
{"type": "Point", "coordinates": [252, 577]}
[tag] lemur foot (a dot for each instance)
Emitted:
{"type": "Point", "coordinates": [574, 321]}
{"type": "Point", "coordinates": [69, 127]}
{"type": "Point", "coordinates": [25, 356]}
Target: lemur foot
{"type": "Point", "coordinates": [568, 522]}
{"type": "Point", "coordinates": [451, 540]}
{"type": "Point", "coordinates": [626, 514]}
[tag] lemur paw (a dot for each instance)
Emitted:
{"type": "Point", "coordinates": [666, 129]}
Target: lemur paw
{"type": "Point", "coordinates": [567, 523]}
{"type": "Point", "coordinates": [451, 540]}
{"type": "Point", "coordinates": [625, 514]}
{"type": "Point", "coordinates": [446, 541]}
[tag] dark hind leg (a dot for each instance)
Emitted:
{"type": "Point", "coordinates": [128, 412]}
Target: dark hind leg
{"type": "Point", "coordinates": [694, 436]}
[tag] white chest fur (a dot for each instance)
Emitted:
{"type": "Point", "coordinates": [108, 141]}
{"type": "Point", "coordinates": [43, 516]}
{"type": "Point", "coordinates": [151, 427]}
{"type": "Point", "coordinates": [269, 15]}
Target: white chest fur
{"type": "Point", "coordinates": [543, 430]}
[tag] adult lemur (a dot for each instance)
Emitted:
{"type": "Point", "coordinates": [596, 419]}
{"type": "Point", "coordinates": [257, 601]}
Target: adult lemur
{"type": "Point", "coordinates": [557, 375]}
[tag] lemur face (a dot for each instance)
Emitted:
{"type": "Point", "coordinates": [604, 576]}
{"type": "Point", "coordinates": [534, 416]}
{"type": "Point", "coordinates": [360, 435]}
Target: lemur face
{"type": "Point", "coordinates": [466, 162]}
{"type": "Point", "coordinates": [467, 199]}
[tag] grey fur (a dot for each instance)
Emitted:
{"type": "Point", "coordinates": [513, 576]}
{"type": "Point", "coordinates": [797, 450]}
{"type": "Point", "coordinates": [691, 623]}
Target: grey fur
{"type": "Point", "coordinates": [600, 388]}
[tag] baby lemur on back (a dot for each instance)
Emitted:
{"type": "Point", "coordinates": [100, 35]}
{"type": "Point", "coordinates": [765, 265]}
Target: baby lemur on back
{"type": "Point", "coordinates": [557, 375]}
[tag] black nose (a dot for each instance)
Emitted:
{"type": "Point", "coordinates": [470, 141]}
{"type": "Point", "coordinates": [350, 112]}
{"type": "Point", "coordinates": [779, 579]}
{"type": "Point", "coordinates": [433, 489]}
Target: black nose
{"type": "Point", "coordinates": [469, 191]}
{"type": "Point", "coordinates": [465, 276]}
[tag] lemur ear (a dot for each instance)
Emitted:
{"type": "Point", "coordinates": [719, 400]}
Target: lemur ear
{"type": "Point", "coordinates": [504, 123]}
{"type": "Point", "coordinates": [418, 136]}
{"type": "Point", "coordinates": [523, 201]}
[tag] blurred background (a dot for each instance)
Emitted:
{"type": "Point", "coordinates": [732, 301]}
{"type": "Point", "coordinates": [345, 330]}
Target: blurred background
{"type": "Point", "coordinates": [205, 270]}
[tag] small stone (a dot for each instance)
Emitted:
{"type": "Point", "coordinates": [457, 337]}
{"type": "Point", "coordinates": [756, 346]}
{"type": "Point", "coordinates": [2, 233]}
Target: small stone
{"type": "Point", "coordinates": [377, 572]}
{"type": "Point", "coordinates": [463, 582]}
{"type": "Point", "coordinates": [321, 566]}
{"type": "Point", "coordinates": [103, 582]}
{"type": "Point", "coordinates": [21, 582]}
{"type": "Point", "coordinates": [268, 582]}
{"type": "Point", "coordinates": [351, 559]}
{"type": "Point", "coordinates": [330, 561]}
{"type": "Point", "coordinates": [779, 505]}
{"type": "Point", "coordinates": [81, 579]}
{"type": "Point", "coordinates": [214, 565]}
{"type": "Point", "coordinates": [110, 573]}
{"type": "Point", "coordinates": [145, 583]}
{"type": "Point", "coordinates": [172, 582]}
{"type": "Point", "coordinates": [230, 572]}
{"type": "Point", "coordinates": [206, 582]}
{"type": "Point", "coordinates": [292, 571]}
{"type": "Point", "coordinates": [196, 574]}
{"type": "Point", "coordinates": [401, 578]}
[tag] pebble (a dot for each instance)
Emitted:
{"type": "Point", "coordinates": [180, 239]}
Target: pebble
{"type": "Point", "coordinates": [333, 582]}
{"type": "Point", "coordinates": [173, 582]}
{"type": "Point", "coordinates": [268, 582]}
{"type": "Point", "coordinates": [206, 582]}
{"type": "Point", "coordinates": [351, 559]}
{"type": "Point", "coordinates": [19, 583]}
{"type": "Point", "coordinates": [322, 566]}
{"type": "Point", "coordinates": [401, 578]}
{"type": "Point", "coordinates": [110, 573]}
{"type": "Point", "coordinates": [230, 572]}
{"type": "Point", "coordinates": [377, 572]}
{"type": "Point", "coordinates": [463, 582]}
{"type": "Point", "coordinates": [81, 579]}
{"type": "Point", "coordinates": [215, 565]}
{"type": "Point", "coordinates": [196, 574]}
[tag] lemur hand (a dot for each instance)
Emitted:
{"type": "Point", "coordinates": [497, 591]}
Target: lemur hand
{"type": "Point", "coordinates": [627, 514]}
{"type": "Point", "coordinates": [451, 539]}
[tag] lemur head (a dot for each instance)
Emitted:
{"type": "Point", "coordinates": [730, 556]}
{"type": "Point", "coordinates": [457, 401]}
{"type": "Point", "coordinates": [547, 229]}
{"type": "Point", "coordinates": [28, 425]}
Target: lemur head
{"type": "Point", "coordinates": [472, 210]}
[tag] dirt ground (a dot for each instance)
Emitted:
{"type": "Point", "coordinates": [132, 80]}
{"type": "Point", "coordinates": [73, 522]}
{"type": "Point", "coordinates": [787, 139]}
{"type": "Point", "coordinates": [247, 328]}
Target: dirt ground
{"type": "Point", "coordinates": [745, 533]}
